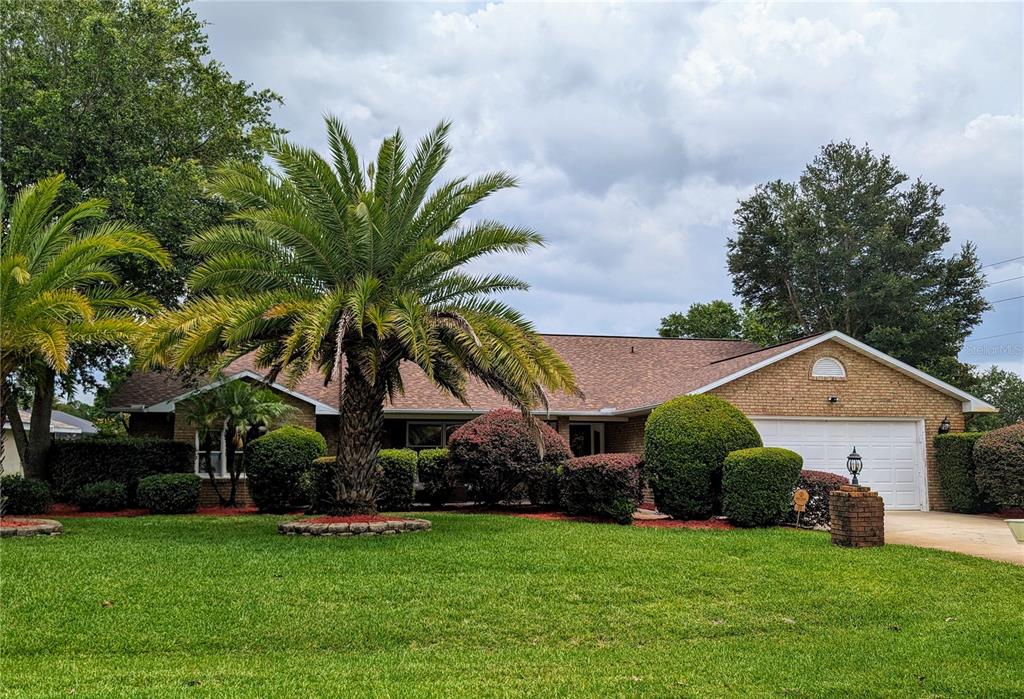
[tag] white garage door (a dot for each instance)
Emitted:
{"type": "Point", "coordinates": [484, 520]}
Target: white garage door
{"type": "Point", "coordinates": [892, 452]}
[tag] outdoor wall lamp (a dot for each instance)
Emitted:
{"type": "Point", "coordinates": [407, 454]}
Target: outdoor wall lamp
{"type": "Point", "coordinates": [944, 426]}
{"type": "Point", "coordinates": [854, 464]}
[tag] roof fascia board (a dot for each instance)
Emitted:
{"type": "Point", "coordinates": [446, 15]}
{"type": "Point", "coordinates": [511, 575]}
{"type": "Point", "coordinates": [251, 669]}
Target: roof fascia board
{"type": "Point", "coordinates": [168, 406]}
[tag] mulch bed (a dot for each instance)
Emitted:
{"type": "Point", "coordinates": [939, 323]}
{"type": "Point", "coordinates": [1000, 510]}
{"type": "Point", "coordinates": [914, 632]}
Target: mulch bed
{"type": "Point", "coordinates": [12, 523]}
{"type": "Point", "coordinates": [1011, 513]}
{"type": "Point", "coordinates": [653, 523]}
{"type": "Point", "coordinates": [350, 519]}
{"type": "Point", "coordinates": [63, 509]}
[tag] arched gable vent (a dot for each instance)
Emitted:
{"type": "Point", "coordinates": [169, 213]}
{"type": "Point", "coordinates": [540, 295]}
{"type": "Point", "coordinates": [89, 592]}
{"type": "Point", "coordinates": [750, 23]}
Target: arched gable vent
{"type": "Point", "coordinates": [828, 368]}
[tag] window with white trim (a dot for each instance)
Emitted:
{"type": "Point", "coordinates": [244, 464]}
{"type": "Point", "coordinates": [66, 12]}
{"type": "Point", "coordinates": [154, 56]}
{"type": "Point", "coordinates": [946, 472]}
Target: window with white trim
{"type": "Point", "coordinates": [828, 368]}
{"type": "Point", "coordinates": [217, 457]}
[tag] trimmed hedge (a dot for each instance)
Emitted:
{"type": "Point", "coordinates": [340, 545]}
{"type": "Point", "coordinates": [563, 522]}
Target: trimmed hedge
{"type": "Point", "coordinates": [276, 465]}
{"type": "Point", "coordinates": [436, 475]}
{"type": "Point", "coordinates": [757, 485]}
{"type": "Point", "coordinates": [396, 484]}
{"type": "Point", "coordinates": [686, 441]}
{"type": "Point", "coordinates": [956, 470]}
{"type": "Point", "coordinates": [78, 462]}
{"type": "Point", "coordinates": [170, 493]}
{"type": "Point", "coordinates": [606, 485]}
{"type": "Point", "coordinates": [496, 455]}
{"type": "Point", "coordinates": [819, 486]}
{"type": "Point", "coordinates": [999, 465]}
{"type": "Point", "coordinates": [25, 496]}
{"type": "Point", "coordinates": [102, 496]}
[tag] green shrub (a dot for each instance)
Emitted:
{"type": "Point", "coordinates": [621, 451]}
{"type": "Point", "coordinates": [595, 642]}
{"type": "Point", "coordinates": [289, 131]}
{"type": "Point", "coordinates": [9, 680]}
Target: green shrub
{"type": "Point", "coordinates": [999, 465]}
{"type": "Point", "coordinates": [542, 487]}
{"type": "Point", "coordinates": [685, 444]}
{"type": "Point", "coordinates": [170, 493]}
{"type": "Point", "coordinates": [436, 475]}
{"type": "Point", "coordinates": [957, 479]}
{"type": "Point", "coordinates": [757, 485]}
{"type": "Point", "coordinates": [24, 496]}
{"type": "Point", "coordinates": [102, 496]}
{"type": "Point", "coordinates": [496, 455]}
{"type": "Point", "coordinates": [606, 485]}
{"type": "Point", "coordinates": [78, 462]}
{"type": "Point", "coordinates": [819, 486]}
{"type": "Point", "coordinates": [276, 463]}
{"type": "Point", "coordinates": [396, 484]}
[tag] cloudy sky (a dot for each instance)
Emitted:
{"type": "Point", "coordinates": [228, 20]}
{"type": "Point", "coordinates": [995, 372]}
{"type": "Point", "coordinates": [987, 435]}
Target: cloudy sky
{"type": "Point", "coordinates": [634, 128]}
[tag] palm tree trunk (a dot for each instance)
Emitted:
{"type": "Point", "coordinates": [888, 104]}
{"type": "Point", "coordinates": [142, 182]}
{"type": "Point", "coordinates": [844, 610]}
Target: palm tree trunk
{"type": "Point", "coordinates": [354, 481]}
{"type": "Point", "coordinates": [39, 436]}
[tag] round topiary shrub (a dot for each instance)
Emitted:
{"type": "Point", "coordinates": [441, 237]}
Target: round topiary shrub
{"type": "Point", "coordinates": [23, 496]}
{"type": "Point", "coordinates": [606, 485]}
{"type": "Point", "coordinates": [685, 443]}
{"type": "Point", "coordinates": [757, 485]}
{"type": "Point", "coordinates": [102, 496]}
{"type": "Point", "coordinates": [276, 465]}
{"type": "Point", "coordinates": [999, 465]}
{"type": "Point", "coordinates": [396, 482]}
{"type": "Point", "coordinates": [436, 475]}
{"type": "Point", "coordinates": [496, 455]}
{"type": "Point", "coordinates": [954, 460]}
{"type": "Point", "coordinates": [170, 493]}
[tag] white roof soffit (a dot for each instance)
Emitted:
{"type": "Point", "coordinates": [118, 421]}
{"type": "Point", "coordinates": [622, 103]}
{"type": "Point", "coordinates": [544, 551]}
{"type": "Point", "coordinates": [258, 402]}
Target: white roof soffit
{"type": "Point", "coordinates": [971, 404]}
{"type": "Point", "coordinates": [167, 406]}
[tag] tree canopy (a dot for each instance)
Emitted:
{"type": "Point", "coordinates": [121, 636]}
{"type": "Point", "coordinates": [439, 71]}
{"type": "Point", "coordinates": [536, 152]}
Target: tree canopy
{"type": "Point", "coordinates": [720, 319]}
{"type": "Point", "coordinates": [853, 245]}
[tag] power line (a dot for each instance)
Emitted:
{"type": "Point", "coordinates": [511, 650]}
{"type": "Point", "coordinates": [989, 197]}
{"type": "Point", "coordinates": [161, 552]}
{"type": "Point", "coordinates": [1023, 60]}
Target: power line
{"type": "Point", "coordinates": [1002, 262]}
{"type": "Point", "coordinates": [993, 337]}
{"type": "Point", "coordinates": [1012, 298]}
{"type": "Point", "coordinates": [1011, 279]}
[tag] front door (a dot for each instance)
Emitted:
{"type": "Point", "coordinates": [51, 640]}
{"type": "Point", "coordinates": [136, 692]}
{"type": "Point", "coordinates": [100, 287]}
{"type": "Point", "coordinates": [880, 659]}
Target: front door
{"type": "Point", "coordinates": [586, 439]}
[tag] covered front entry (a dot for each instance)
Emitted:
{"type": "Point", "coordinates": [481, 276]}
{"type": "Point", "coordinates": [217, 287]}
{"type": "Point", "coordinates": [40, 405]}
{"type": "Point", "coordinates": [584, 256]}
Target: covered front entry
{"type": "Point", "coordinates": [893, 452]}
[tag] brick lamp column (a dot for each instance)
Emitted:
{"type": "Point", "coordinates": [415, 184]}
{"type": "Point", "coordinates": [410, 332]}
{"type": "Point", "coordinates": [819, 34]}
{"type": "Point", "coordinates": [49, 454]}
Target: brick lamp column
{"type": "Point", "coordinates": [857, 517]}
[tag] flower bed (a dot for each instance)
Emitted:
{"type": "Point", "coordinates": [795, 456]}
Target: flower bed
{"type": "Point", "coordinates": [30, 527]}
{"type": "Point", "coordinates": [713, 523]}
{"type": "Point", "coordinates": [352, 525]}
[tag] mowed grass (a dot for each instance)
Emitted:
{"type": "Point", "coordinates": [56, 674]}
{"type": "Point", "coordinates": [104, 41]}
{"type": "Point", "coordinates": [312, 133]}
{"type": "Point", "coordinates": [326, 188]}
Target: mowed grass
{"type": "Point", "coordinates": [497, 606]}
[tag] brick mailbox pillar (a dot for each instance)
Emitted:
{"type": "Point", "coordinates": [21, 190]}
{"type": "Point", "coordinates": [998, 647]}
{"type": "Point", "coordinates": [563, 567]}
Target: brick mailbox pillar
{"type": "Point", "coordinates": [858, 517]}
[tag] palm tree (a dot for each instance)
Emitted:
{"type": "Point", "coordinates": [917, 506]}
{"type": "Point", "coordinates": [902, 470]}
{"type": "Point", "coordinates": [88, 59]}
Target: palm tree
{"type": "Point", "coordinates": [350, 271]}
{"type": "Point", "coordinates": [248, 410]}
{"type": "Point", "coordinates": [59, 290]}
{"type": "Point", "coordinates": [236, 412]}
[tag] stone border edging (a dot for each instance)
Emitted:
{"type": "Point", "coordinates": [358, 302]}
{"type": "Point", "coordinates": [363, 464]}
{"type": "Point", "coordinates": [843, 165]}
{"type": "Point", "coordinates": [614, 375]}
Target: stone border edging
{"type": "Point", "coordinates": [40, 527]}
{"type": "Point", "coordinates": [391, 526]}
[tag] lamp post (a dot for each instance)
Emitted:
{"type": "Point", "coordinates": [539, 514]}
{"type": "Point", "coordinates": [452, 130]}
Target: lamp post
{"type": "Point", "coordinates": [854, 464]}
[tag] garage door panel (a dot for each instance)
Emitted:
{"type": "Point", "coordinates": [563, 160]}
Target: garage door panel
{"type": "Point", "coordinates": [892, 455]}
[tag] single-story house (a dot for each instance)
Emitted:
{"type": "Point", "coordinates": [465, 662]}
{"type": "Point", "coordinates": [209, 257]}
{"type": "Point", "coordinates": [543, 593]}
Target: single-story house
{"type": "Point", "coordinates": [820, 396]}
{"type": "Point", "coordinates": [62, 426]}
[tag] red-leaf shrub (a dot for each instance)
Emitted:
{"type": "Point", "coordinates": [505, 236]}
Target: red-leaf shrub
{"type": "Point", "coordinates": [999, 465]}
{"type": "Point", "coordinates": [496, 455]}
{"type": "Point", "coordinates": [607, 485]}
{"type": "Point", "coordinates": [818, 484]}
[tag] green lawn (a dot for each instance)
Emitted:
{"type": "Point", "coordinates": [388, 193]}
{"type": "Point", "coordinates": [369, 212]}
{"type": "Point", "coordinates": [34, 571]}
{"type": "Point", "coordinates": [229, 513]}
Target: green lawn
{"type": "Point", "coordinates": [501, 606]}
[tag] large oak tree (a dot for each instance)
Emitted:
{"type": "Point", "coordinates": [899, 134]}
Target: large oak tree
{"type": "Point", "coordinates": [855, 246]}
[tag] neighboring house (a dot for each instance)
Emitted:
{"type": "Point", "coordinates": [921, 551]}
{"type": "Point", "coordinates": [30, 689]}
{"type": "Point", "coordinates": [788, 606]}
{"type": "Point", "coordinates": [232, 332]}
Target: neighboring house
{"type": "Point", "coordinates": [62, 426]}
{"type": "Point", "coordinates": [820, 396]}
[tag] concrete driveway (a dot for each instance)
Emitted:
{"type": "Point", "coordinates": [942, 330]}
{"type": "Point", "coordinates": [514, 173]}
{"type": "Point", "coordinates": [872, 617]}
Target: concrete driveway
{"type": "Point", "coordinates": [975, 535]}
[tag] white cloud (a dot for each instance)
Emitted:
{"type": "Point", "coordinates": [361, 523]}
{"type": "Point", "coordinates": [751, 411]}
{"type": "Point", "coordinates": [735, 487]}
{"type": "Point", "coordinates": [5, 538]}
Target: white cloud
{"type": "Point", "coordinates": [634, 128]}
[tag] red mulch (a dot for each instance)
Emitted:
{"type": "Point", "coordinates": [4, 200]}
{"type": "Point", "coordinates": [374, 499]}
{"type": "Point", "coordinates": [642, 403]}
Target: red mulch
{"type": "Point", "coordinates": [219, 511]}
{"type": "Point", "coordinates": [349, 519]}
{"type": "Point", "coordinates": [655, 523]}
{"type": "Point", "coordinates": [62, 509]}
{"type": "Point", "coordinates": [11, 523]}
{"type": "Point", "coordinates": [1010, 513]}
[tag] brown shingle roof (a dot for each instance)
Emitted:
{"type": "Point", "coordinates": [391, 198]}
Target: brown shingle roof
{"type": "Point", "coordinates": [615, 373]}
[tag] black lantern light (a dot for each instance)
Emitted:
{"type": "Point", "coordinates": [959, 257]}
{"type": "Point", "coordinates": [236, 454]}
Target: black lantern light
{"type": "Point", "coordinates": [944, 426]}
{"type": "Point", "coordinates": [854, 464]}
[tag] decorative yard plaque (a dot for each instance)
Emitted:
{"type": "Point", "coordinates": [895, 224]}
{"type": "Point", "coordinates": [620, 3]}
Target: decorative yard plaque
{"type": "Point", "coordinates": [800, 498]}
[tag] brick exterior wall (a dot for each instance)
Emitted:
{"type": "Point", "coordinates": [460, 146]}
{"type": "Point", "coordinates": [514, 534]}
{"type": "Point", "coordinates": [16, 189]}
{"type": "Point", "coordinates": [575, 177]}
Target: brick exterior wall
{"type": "Point", "coordinates": [627, 436]}
{"type": "Point", "coordinates": [159, 425]}
{"type": "Point", "coordinates": [208, 497]}
{"type": "Point", "coordinates": [870, 389]}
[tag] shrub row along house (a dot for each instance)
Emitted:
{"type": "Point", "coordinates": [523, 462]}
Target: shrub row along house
{"type": "Point", "coordinates": [819, 396]}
